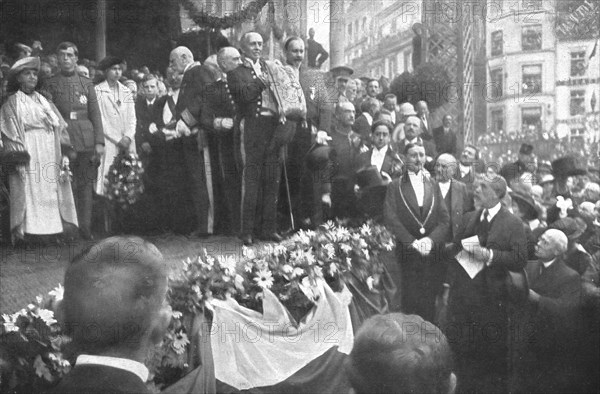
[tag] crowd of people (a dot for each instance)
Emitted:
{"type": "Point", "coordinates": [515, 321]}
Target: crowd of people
{"type": "Point", "coordinates": [504, 259]}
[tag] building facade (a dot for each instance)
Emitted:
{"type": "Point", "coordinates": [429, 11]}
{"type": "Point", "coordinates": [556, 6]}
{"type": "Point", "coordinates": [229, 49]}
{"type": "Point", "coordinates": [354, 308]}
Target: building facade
{"type": "Point", "coordinates": [379, 36]}
{"type": "Point", "coordinates": [540, 78]}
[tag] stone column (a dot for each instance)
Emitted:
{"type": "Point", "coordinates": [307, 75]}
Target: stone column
{"type": "Point", "coordinates": [101, 30]}
{"type": "Point", "coordinates": [336, 33]}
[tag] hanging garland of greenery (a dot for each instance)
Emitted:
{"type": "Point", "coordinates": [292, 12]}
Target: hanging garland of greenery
{"type": "Point", "coordinates": [204, 19]}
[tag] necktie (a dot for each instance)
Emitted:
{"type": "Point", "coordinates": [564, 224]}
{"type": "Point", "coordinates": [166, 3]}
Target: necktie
{"type": "Point", "coordinates": [542, 269]}
{"type": "Point", "coordinates": [483, 229]}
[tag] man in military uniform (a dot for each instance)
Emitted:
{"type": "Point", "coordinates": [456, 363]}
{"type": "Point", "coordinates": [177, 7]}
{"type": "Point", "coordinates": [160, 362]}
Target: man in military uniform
{"type": "Point", "coordinates": [258, 124]}
{"type": "Point", "coordinates": [75, 98]}
{"type": "Point", "coordinates": [218, 111]}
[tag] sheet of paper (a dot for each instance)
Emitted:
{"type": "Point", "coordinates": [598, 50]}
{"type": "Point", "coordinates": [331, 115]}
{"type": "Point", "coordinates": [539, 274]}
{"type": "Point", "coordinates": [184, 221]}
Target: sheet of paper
{"type": "Point", "coordinates": [467, 243]}
{"type": "Point", "coordinates": [469, 263]}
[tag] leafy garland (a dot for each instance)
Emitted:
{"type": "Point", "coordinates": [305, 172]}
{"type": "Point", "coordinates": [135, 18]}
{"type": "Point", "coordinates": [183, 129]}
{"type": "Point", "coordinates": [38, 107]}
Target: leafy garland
{"type": "Point", "coordinates": [201, 18]}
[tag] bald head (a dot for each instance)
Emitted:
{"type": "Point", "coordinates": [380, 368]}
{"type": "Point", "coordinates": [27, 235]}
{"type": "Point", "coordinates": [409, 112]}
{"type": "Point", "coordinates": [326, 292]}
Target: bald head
{"type": "Point", "coordinates": [252, 44]}
{"type": "Point", "coordinates": [552, 243]}
{"type": "Point", "coordinates": [179, 58]}
{"type": "Point", "coordinates": [228, 59]}
{"type": "Point", "coordinates": [445, 167]}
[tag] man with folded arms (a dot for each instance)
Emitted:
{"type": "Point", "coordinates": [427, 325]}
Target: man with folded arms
{"type": "Point", "coordinates": [115, 310]}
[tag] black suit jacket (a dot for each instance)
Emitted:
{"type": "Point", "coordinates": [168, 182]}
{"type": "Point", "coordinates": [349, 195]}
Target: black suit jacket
{"type": "Point", "coordinates": [444, 142]}
{"type": "Point", "coordinates": [144, 114]}
{"type": "Point", "coordinates": [98, 379]}
{"type": "Point", "coordinates": [361, 126]}
{"type": "Point", "coordinates": [459, 204]}
{"type": "Point", "coordinates": [397, 212]}
{"type": "Point", "coordinates": [189, 102]}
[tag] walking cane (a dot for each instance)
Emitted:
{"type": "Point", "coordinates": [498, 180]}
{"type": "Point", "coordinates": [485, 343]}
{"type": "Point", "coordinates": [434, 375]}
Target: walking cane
{"type": "Point", "coordinates": [287, 186]}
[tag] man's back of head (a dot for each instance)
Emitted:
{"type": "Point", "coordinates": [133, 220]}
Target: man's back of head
{"type": "Point", "coordinates": [115, 298]}
{"type": "Point", "coordinates": [397, 353]}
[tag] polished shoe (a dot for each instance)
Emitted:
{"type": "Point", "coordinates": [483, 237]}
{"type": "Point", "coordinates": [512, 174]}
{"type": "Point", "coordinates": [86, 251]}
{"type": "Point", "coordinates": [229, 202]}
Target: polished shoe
{"type": "Point", "coordinates": [247, 239]}
{"type": "Point", "coordinates": [274, 237]}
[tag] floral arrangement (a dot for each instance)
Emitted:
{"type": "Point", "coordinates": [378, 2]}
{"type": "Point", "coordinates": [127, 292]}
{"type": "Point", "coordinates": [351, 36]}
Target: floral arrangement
{"type": "Point", "coordinates": [124, 184]}
{"type": "Point", "coordinates": [32, 344]}
{"type": "Point", "coordinates": [289, 269]}
{"type": "Point", "coordinates": [30, 347]}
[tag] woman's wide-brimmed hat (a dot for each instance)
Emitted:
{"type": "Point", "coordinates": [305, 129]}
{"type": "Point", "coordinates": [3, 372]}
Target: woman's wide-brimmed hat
{"type": "Point", "coordinates": [30, 62]}
{"type": "Point", "coordinates": [567, 166]}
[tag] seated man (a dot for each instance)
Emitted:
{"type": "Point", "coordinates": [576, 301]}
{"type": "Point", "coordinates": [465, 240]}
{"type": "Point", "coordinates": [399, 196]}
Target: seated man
{"type": "Point", "coordinates": [115, 310]}
{"type": "Point", "coordinates": [399, 353]}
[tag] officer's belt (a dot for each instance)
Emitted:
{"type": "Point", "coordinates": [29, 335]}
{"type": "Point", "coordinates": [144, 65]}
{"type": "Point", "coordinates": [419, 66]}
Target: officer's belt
{"type": "Point", "coordinates": [79, 115]}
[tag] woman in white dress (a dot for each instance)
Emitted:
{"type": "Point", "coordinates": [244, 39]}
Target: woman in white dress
{"type": "Point", "coordinates": [41, 200]}
{"type": "Point", "coordinates": [117, 106]}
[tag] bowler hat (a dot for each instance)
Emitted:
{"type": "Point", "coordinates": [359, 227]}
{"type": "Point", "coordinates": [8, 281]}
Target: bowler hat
{"type": "Point", "coordinates": [571, 227]}
{"type": "Point", "coordinates": [369, 177]}
{"type": "Point", "coordinates": [567, 166]}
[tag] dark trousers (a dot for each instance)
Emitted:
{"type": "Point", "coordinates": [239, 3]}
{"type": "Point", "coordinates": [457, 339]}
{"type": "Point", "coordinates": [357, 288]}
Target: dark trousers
{"type": "Point", "coordinates": [226, 182]}
{"type": "Point", "coordinates": [261, 173]}
{"type": "Point", "coordinates": [85, 173]}
{"type": "Point", "coordinates": [194, 164]}
{"type": "Point", "coordinates": [299, 179]}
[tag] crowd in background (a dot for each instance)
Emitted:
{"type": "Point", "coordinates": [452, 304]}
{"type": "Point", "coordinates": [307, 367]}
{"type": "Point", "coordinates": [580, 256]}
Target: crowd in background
{"type": "Point", "coordinates": [221, 156]}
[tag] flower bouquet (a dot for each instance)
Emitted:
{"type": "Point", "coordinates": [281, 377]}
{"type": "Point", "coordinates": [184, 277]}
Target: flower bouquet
{"type": "Point", "coordinates": [124, 184]}
{"type": "Point", "coordinates": [31, 358]}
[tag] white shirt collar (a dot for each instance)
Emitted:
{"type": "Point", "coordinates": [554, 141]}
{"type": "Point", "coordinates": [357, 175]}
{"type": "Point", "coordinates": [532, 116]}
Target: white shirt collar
{"type": "Point", "coordinates": [491, 212]}
{"type": "Point", "coordinates": [369, 117]}
{"type": "Point", "coordinates": [125, 364]}
{"type": "Point", "coordinates": [150, 102]}
{"type": "Point", "coordinates": [381, 151]}
{"type": "Point", "coordinates": [549, 263]}
{"type": "Point", "coordinates": [444, 188]}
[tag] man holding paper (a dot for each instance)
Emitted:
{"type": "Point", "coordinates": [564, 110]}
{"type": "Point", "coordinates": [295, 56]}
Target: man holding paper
{"type": "Point", "coordinates": [489, 242]}
{"type": "Point", "coordinates": [416, 213]}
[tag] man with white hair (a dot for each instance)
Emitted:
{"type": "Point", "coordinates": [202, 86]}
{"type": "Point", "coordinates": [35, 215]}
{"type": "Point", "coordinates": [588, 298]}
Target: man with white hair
{"type": "Point", "coordinates": [217, 117]}
{"type": "Point", "coordinates": [554, 296]}
{"type": "Point", "coordinates": [187, 113]}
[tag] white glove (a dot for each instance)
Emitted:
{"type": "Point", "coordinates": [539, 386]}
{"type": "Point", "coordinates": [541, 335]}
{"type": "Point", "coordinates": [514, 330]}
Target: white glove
{"type": "Point", "coordinates": [152, 128]}
{"type": "Point", "coordinates": [423, 245]}
{"type": "Point", "coordinates": [364, 149]}
{"type": "Point", "coordinates": [326, 199]}
{"type": "Point", "coordinates": [223, 123]}
{"type": "Point", "coordinates": [182, 128]}
{"type": "Point", "coordinates": [322, 138]}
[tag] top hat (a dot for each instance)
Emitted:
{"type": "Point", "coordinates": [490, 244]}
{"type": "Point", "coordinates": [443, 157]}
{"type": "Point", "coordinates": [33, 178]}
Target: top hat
{"type": "Point", "coordinates": [369, 177]}
{"type": "Point", "coordinates": [567, 166]}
